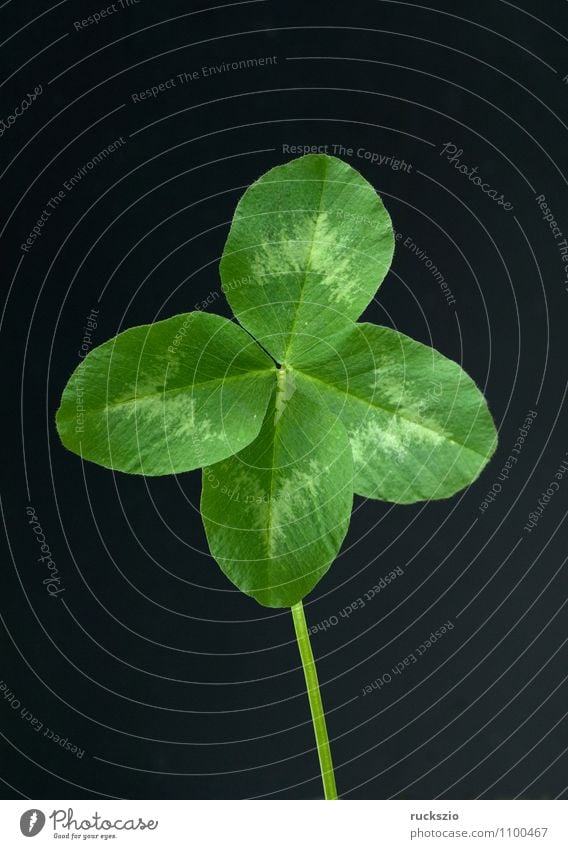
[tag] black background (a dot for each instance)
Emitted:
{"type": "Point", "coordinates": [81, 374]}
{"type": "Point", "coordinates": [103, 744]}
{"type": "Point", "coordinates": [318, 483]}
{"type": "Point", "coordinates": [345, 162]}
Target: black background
{"type": "Point", "coordinates": [173, 683]}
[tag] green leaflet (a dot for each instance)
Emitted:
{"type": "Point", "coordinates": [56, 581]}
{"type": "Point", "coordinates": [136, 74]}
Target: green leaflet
{"type": "Point", "coordinates": [309, 234]}
{"type": "Point", "coordinates": [418, 425]}
{"type": "Point", "coordinates": [167, 397]}
{"type": "Point", "coordinates": [276, 514]}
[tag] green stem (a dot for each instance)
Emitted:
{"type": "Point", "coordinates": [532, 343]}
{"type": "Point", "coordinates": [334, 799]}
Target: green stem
{"type": "Point", "coordinates": [316, 707]}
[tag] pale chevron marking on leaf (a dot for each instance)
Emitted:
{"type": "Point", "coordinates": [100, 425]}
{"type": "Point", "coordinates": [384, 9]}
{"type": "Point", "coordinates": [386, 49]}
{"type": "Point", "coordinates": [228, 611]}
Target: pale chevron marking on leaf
{"type": "Point", "coordinates": [286, 386]}
{"type": "Point", "coordinates": [425, 426]}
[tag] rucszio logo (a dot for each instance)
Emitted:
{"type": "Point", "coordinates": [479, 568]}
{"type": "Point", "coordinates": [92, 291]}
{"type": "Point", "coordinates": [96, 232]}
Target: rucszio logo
{"type": "Point", "coordinates": [32, 822]}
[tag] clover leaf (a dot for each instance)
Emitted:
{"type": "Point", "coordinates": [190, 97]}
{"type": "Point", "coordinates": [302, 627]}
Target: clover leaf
{"type": "Point", "coordinates": [310, 243]}
{"type": "Point", "coordinates": [276, 513]}
{"type": "Point", "coordinates": [295, 410]}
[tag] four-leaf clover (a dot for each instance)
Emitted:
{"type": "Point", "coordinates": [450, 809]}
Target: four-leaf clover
{"type": "Point", "coordinates": [297, 408]}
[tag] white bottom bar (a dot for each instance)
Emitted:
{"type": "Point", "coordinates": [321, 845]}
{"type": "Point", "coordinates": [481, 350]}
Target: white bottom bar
{"type": "Point", "coordinates": [286, 824]}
